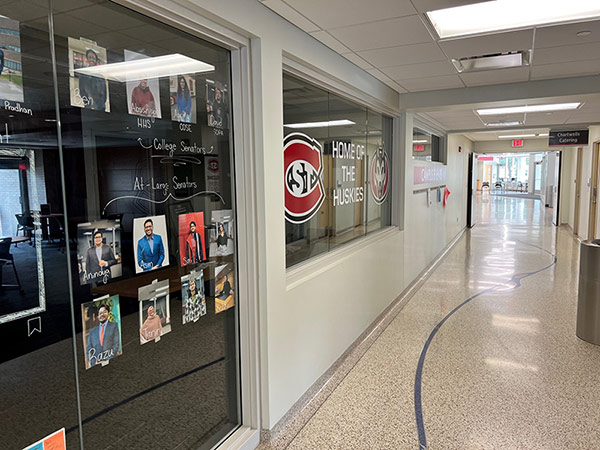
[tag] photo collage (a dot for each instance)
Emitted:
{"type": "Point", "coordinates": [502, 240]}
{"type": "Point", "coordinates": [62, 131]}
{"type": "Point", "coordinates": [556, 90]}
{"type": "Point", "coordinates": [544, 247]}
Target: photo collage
{"type": "Point", "coordinates": [90, 72]}
{"type": "Point", "coordinates": [201, 247]}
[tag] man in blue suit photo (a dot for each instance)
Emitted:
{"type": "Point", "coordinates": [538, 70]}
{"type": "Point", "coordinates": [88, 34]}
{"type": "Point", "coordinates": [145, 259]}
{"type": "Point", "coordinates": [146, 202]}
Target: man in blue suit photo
{"type": "Point", "coordinates": [104, 340]}
{"type": "Point", "coordinates": [150, 249]}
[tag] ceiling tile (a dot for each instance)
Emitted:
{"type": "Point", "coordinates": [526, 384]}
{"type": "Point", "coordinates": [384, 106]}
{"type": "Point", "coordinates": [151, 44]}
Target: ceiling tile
{"type": "Point", "coordinates": [330, 41]}
{"type": "Point", "coordinates": [405, 54]}
{"type": "Point", "coordinates": [357, 60]}
{"type": "Point", "coordinates": [432, 69]}
{"type": "Point", "coordinates": [486, 45]}
{"type": "Point", "coordinates": [290, 14]}
{"type": "Point", "coordinates": [434, 5]}
{"type": "Point", "coordinates": [432, 83]}
{"type": "Point", "coordinates": [575, 68]}
{"type": "Point", "coordinates": [387, 80]}
{"type": "Point", "coordinates": [340, 13]}
{"type": "Point", "coordinates": [556, 35]}
{"type": "Point", "coordinates": [537, 119]}
{"type": "Point", "coordinates": [512, 75]}
{"type": "Point", "coordinates": [566, 53]}
{"type": "Point", "coordinates": [385, 33]}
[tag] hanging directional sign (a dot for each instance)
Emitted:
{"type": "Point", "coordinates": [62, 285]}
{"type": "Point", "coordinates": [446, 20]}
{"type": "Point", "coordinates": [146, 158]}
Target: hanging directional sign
{"type": "Point", "coordinates": [568, 137]}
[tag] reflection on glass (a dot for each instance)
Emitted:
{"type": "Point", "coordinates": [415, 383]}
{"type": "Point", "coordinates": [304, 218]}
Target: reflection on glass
{"type": "Point", "coordinates": [146, 135]}
{"type": "Point", "coordinates": [353, 145]}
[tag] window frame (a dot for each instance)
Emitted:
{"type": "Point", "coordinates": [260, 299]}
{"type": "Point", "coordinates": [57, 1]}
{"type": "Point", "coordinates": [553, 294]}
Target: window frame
{"type": "Point", "coordinates": [312, 266]}
{"type": "Point", "coordinates": [190, 20]}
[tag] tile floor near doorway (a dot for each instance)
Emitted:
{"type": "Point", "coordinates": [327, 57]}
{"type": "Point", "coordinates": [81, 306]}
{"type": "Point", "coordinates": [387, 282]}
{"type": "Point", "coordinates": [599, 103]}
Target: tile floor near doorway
{"type": "Point", "coordinates": [484, 356]}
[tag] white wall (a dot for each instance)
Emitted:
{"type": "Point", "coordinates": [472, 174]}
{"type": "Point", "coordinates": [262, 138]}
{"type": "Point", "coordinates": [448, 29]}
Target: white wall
{"type": "Point", "coordinates": [308, 318]}
{"type": "Point", "coordinates": [429, 229]}
{"type": "Point", "coordinates": [311, 314]}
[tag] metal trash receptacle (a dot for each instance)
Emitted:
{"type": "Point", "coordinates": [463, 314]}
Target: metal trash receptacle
{"type": "Point", "coordinates": [588, 303]}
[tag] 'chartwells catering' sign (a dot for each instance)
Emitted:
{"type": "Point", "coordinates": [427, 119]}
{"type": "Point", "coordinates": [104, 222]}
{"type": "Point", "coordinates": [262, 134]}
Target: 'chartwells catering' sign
{"type": "Point", "coordinates": [568, 137]}
{"type": "Point", "coordinates": [303, 166]}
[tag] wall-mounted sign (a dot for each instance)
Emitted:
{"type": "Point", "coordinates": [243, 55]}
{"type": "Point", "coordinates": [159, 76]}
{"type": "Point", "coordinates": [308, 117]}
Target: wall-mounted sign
{"type": "Point", "coordinates": [517, 143]}
{"type": "Point", "coordinates": [303, 169]}
{"type": "Point", "coordinates": [380, 175]}
{"type": "Point", "coordinates": [419, 147]}
{"type": "Point", "coordinates": [485, 158]}
{"type": "Point", "coordinates": [570, 137]}
{"type": "Point", "coordinates": [429, 174]}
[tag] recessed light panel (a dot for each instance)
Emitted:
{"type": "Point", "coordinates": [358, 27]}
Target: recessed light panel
{"type": "Point", "coordinates": [528, 109]}
{"type": "Point", "coordinates": [516, 136]}
{"type": "Point", "coordinates": [501, 15]}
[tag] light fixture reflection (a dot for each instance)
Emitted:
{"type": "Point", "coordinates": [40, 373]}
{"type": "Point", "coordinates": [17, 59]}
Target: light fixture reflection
{"type": "Point", "coordinates": [506, 364]}
{"type": "Point", "coordinates": [330, 123]}
{"type": "Point", "coordinates": [154, 67]}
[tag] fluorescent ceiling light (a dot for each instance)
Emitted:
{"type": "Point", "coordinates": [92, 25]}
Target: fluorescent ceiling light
{"type": "Point", "coordinates": [528, 109]}
{"type": "Point", "coordinates": [516, 136]}
{"type": "Point", "coordinates": [330, 123]}
{"type": "Point", "coordinates": [543, 134]}
{"type": "Point", "coordinates": [421, 141]}
{"type": "Point", "coordinates": [504, 124]}
{"type": "Point", "coordinates": [155, 67]}
{"type": "Point", "coordinates": [508, 14]}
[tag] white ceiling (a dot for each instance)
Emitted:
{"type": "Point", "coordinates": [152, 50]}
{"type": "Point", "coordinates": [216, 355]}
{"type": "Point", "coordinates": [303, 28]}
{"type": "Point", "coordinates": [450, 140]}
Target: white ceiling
{"type": "Point", "coordinates": [387, 37]}
{"type": "Point", "coordinates": [393, 41]}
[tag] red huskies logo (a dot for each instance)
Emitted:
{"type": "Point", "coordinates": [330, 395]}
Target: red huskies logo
{"type": "Point", "coordinates": [303, 166]}
{"type": "Point", "coordinates": [380, 175]}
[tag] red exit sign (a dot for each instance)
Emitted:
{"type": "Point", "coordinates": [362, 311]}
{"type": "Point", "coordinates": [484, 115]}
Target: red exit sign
{"type": "Point", "coordinates": [419, 148]}
{"type": "Point", "coordinates": [517, 143]}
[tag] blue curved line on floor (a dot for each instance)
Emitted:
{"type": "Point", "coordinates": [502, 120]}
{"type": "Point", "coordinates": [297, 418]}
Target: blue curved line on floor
{"type": "Point", "coordinates": [146, 391]}
{"type": "Point", "coordinates": [515, 282]}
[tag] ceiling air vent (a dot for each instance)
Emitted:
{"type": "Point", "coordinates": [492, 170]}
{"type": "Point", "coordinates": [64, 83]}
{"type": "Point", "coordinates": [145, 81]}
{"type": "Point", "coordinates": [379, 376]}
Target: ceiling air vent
{"type": "Point", "coordinates": [491, 62]}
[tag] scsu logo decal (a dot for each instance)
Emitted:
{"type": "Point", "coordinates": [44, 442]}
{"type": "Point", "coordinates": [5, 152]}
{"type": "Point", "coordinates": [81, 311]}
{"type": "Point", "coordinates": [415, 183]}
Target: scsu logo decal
{"type": "Point", "coordinates": [303, 166]}
{"type": "Point", "coordinates": [380, 175]}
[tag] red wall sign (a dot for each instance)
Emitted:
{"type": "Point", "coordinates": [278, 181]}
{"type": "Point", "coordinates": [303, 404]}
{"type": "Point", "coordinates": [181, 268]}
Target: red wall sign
{"type": "Point", "coordinates": [419, 148]}
{"type": "Point", "coordinates": [517, 143]}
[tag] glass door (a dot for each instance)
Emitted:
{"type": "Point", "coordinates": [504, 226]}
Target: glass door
{"type": "Point", "coordinates": [123, 321]}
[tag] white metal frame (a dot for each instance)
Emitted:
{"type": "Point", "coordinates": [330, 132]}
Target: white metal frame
{"type": "Point", "coordinates": [190, 18]}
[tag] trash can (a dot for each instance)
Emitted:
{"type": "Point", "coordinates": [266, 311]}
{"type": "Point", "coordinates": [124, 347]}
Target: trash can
{"type": "Point", "coordinates": [588, 304]}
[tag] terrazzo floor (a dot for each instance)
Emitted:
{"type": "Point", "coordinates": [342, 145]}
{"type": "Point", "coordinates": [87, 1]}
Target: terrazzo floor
{"type": "Point", "coordinates": [503, 371]}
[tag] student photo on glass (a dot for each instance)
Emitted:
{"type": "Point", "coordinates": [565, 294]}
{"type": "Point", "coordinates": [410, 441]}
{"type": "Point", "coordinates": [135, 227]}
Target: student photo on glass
{"type": "Point", "coordinates": [88, 90]}
{"type": "Point", "coordinates": [11, 74]}
{"type": "Point", "coordinates": [224, 288]}
{"type": "Point", "coordinates": [101, 325]}
{"type": "Point", "coordinates": [143, 92]}
{"type": "Point", "coordinates": [183, 98]}
{"type": "Point", "coordinates": [217, 108]}
{"type": "Point", "coordinates": [99, 251]}
{"type": "Point", "coordinates": [151, 243]}
{"type": "Point", "coordinates": [191, 238]}
{"type": "Point", "coordinates": [221, 233]}
{"type": "Point", "coordinates": [155, 316]}
{"type": "Point", "coordinates": [193, 300]}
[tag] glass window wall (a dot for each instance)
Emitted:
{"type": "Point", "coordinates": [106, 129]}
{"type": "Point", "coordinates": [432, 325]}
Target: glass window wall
{"type": "Point", "coordinates": [337, 157]}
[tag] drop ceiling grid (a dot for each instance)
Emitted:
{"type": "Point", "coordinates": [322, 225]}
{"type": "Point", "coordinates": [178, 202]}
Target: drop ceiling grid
{"type": "Point", "coordinates": [392, 40]}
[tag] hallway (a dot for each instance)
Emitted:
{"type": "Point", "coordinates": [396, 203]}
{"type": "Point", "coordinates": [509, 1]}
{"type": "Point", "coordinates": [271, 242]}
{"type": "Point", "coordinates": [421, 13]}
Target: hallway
{"type": "Point", "coordinates": [483, 356]}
